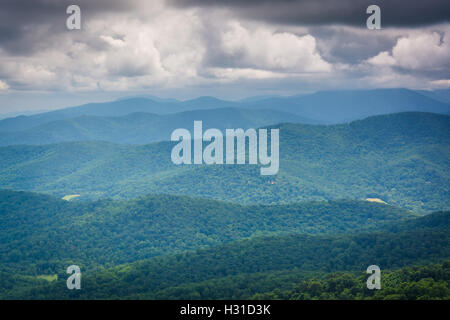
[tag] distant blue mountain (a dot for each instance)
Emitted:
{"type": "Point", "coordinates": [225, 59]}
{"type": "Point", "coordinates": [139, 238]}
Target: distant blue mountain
{"type": "Point", "coordinates": [142, 128]}
{"type": "Point", "coordinates": [442, 95]}
{"type": "Point", "coordinates": [149, 96]}
{"type": "Point", "coordinates": [345, 106]}
{"type": "Point", "coordinates": [207, 103]}
{"type": "Point", "coordinates": [258, 98]}
{"type": "Point", "coordinates": [105, 109]}
{"type": "Point", "coordinates": [322, 106]}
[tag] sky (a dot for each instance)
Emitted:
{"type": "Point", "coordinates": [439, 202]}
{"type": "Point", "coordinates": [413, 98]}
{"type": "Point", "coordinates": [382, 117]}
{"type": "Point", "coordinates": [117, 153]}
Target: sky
{"type": "Point", "coordinates": [228, 49]}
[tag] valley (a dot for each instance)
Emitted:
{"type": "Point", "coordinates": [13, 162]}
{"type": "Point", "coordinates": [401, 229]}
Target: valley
{"type": "Point", "coordinates": [94, 186]}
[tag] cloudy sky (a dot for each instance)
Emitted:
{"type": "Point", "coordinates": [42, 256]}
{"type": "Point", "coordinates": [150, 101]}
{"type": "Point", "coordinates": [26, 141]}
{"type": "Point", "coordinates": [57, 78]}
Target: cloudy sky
{"type": "Point", "coordinates": [229, 49]}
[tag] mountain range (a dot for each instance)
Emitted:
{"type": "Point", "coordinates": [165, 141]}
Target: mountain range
{"type": "Point", "coordinates": [363, 180]}
{"type": "Point", "coordinates": [402, 159]}
{"type": "Point", "coordinates": [319, 107]}
{"type": "Point", "coordinates": [142, 128]}
{"type": "Point", "coordinates": [345, 106]}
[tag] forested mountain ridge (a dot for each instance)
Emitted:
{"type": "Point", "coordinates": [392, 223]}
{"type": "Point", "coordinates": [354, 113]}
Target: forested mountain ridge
{"type": "Point", "coordinates": [321, 107]}
{"type": "Point", "coordinates": [430, 282]}
{"type": "Point", "coordinates": [106, 109]}
{"type": "Point", "coordinates": [267, 263]}
{"type": "Point", "coordinates": [143, 128]}
{"type": "Point", "coordinates": [347, 195]}
{"type": "Point", "coordinates": [39, 234]}
{"type": "Point", "coordinates": [402, 159]}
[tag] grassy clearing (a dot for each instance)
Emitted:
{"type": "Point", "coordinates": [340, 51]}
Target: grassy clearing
{"type": "Point", "coordinates": [49, 278]}
{"type": "Point", "coordinates": [376, 200]}
{"type": "Point", "coordinates": [70, 197]}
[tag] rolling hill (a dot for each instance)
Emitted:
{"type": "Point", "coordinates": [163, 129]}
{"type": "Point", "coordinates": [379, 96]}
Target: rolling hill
{"type": "Point", "coordinates": [117, 108]}
{"type": "Point", "coordinates": [39, 234]}
{"type": "Point", "coordinates": [142, 128]}
{"type": "Point", "coordinates": [321, 107]}
{"type": "Point", "coordinates": [402, 159]}
{"type": "Point", "coordinates": [358, 179]}
{"type": "Point", "coordinates": [106, 109]}
{"type": "Point", "coordinates": [249, 267]}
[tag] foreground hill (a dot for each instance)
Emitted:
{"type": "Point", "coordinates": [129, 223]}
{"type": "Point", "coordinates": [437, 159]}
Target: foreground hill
{"type": "Point", "coordinates": [142, 128]}
{"type": "Point", "coordinates": [271, 265]}
{"type": "Point", "coordinates": [402, 159]}
{"type": "Point", "coordinates": [40, 234]}
{"type": "Point", "coordinates": [430, 282]}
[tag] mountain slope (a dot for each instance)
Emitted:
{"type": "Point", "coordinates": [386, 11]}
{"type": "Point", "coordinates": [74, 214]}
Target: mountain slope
{"type": "Point", "coordinates": [343, 106]}
{"type": "Point", "coordinates": [442, 95]}
{"type": "Point", "coordinates": [106, 109]}
{"type": "Point", "coordinates": [205, 273]}
{"type": "Point", "coordinates": [117, 108]}
{"type": "Point", "coordinates": [141, 128]}
{"type": "Point", "coordinates": [321, 107]}
{"type": "Point", "coordinates": [402, 159]}
{"type": "Point", "coordinates": [39, 234]}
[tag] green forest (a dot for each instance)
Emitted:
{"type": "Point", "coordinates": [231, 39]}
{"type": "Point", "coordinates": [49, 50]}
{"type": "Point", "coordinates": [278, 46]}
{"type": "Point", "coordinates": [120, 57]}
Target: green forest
{"type": "Point", "coordinates": [222, 251]}
{"type": "Point", "coordinates": [218, 159]}
{"type": "Point", "coordinates": [40, 234]}
{"type": "Point", "coordinates": [272, 267]}
{"type": "Point", "coordinates": [402, 159]}
{"type": "Point", "coordinates": [347, 196]}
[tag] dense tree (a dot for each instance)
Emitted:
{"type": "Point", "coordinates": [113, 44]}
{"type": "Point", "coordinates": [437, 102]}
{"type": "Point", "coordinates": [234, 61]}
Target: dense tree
{"type": "Point", "coordinates": [40, 234]}
{"type": "Point", "coordinates": [274, 266]}
{"type": "Point", "coordinates": [402, 159]}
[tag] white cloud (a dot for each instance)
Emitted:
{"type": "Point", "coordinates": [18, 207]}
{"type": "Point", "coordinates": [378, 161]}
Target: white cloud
{"type": "Point", "coordinates": [29, 73]}
{"type": "Point", "coordinates": [117, 43]}
{"type": "Point", "coordinates": [3, 85]}
{"type": "Point", "coordinates": [264, 48]}
{"type": "Point", "coordinates": [443, 83]}
{"type": "Point", "coordinates": [113, 52]}
{"type": "Point", "coordinates": [382, 59]}
{"type": "Point", "coordinates": [426, 51]}
{"type": "Point", "coordinates": [157, 47]}
{"type": "Point", "coordinates": [164, 47]}
{"type": "Point", "coordinates": [229, 74]}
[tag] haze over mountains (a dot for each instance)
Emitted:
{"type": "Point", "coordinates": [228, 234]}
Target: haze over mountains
{"type": "Point", "coordinates": [344, 106]}
{"type": "Point", "coordinates": [442, 95]}
{"type": "Point", "coordinates": [320, 107]}
{"type": "Point", "coordinates": [142, 127]}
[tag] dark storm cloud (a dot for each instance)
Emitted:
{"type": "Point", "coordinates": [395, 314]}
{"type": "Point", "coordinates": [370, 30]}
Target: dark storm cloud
{"type": "Point", "coordinates": [195, 47]}
{"type": "Point", "coordinates": [323, 12]}
{"type": "Point", "coordinates": [350, 45]}
{"type": "Point", "coordinates": [24, 24]}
